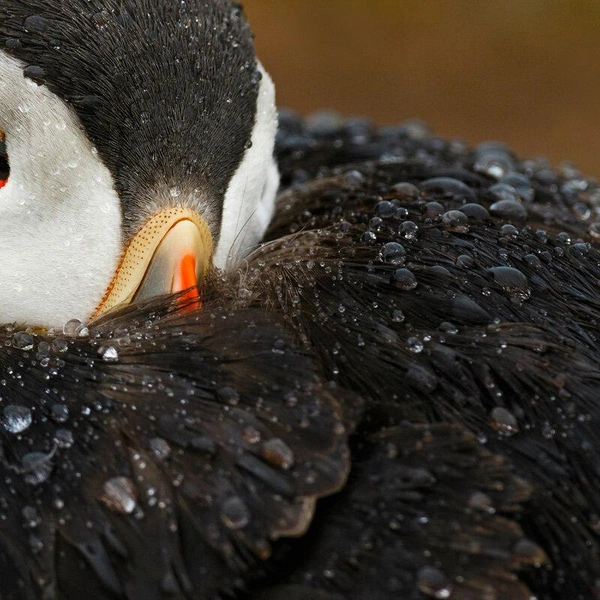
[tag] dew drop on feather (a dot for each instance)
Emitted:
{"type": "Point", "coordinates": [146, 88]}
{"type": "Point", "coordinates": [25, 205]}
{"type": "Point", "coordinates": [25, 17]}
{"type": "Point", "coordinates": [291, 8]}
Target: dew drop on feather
{"type": "Point", "coordinates": [503, 421]}
{"type": "Point", "coordinates": [16, 418]}
{"type": "Point", "coordinates": [119, 494]}
{"type": "Point", "coordinates": [234, 513]}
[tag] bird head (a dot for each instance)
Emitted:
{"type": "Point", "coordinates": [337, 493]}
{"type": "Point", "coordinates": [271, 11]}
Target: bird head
{"type": "Point", "coordinates": [138, 151]}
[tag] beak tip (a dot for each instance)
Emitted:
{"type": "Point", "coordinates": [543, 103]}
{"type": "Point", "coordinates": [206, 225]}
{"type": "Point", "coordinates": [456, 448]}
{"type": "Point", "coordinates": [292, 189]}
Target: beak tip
{"type": "Point", "coordinates": [186, 279]}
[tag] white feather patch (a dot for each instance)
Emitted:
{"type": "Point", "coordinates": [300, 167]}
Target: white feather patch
{"type": "Point", "coordinates": [60, 218]}
{"type": "Point", "coordinates": [250, 197]}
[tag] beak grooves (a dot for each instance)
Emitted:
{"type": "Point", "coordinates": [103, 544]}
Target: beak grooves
{"type": "Point", "coordinates": [167, 255]}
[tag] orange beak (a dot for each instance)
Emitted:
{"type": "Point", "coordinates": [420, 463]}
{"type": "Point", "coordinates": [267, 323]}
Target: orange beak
{"type": "Point", "coordinates": [186, 279]}
{"type": "Point", "coordinates": [168, 255]}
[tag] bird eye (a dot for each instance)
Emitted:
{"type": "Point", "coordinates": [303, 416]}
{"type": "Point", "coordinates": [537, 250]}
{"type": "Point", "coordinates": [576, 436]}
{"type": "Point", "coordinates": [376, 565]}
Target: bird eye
{"type": "Point", "coordinates": [4, 168]}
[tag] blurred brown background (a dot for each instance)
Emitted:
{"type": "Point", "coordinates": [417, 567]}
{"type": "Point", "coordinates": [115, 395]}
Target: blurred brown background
{"type": "Point", "coordinates": [526, 72]}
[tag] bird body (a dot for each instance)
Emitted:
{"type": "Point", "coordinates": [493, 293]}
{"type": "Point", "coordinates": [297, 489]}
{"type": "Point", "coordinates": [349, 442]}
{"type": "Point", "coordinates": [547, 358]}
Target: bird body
{"type": "Point", "coordinates": [393, 396]}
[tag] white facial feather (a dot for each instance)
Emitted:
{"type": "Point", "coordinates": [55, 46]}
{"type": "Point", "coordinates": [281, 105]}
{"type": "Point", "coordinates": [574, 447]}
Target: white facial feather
{"type": "Point", "coordinates": [250, 197]}
{"type": "Point", "coordinates": [60, 234]}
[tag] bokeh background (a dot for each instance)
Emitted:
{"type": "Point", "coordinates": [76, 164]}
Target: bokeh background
{"type": "Point", "coordinates": [526, 72]}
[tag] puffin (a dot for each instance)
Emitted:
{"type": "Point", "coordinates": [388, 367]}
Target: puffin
{"type": "Point", "coordinates": [246, 356]}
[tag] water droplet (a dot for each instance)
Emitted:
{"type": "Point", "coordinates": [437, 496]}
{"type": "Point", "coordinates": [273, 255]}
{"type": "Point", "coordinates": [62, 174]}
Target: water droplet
{"type": "Point", "coordinates": [278, 453]}
{"type": "Point", "coordinates": [75, 328]}
{"type": "Point", "coordinates": [433, 210]}
{"type": "Point", "coordinates": [120, 495]}
{"type": "Point", "coordinates": [456, 221]}
{"type": "Point", "coordinates": [528, 552]}
{"type": "Point", "coordinates": [581, 211]}
{"type": "Point", "coordinates": [63, 438]}
{"type": "Point", "coordinates": [385, 209]}
{"type": "Point", "coordinates": [228, 395]}
{"type": "Point", "coordinates": [376, 224]}
{"type": "Point", "coordinates": [344, 226]}
{"type": "Point", "coordinates": [512, 280]}
{"type": "Point", "coordinates": [493, 159]}
{"type": "Point", "coordinates": [508, 209]}
{"type": "Point", "coordinates": [595, 230]}
{"type": "Point", "coordinates": [108, 353]}
{"type": "Point", "coordinates": [405, 191]}
{"type": "Point", "coordinates": [481, 501]}
{"type": "Point", "coordinates": [60, 345]}
{"type": "Point", "coordinates": [234, 513]}
{"type": "Point", "coordinates": [532, 260]}
{"type": "Point", "coordinates": [12, 44]}
{"type": "Point", "coordinates": [448, 189]}
{"type": "Point", "coordinates": [31, 516]}
{"type": "Point", "coordinates": [465, 261]}
{"type": "Point", "coordinates": [35, 73]}
{"type": "Point", "coordinates": [37, 467]}
{"type": "Point", "coordinates": [17, 418]}
{"type": "Point", "coordinates": [509, 231]}
{"type": "Point", "coordinates": [393, 253]}
{"type": "Point", "coordinates": [398, 316]}
{"type": "Point", "coordinates": [403, 279]}
{"type": "Point", "coordinates": [503, 191]}
{"type": "Point", "coordinates": [160, 447]}
{"type": "Point", "coordinates": [368, 237]}
{"type": "Point", "coordinates": [414, 344]}
{"type": "Point", "coordinates": [408, 230]}
{"type": "Point", "coordinates": [251, 435]}
{"type": "Point", "coordinates": [22, 340]}
{"type": "Point", "coordinates": [522, 185]}
{"type": "Point", "coordinates": [448, 327]}
{"type": "Point", "coordinates": [35, 24]}
{"type": "Point", "coordinates": [579, 249]}
{"type": "Point", "coordinates": [504, 421]}
{"type": "Point", "coordinates": [401, 214]}
{"type": "Point", "coordinates": [59, 413]}
{"type": "Point", "coordinates": [475, 212]}
{"type": "Point", "coordinates": [434, 583]}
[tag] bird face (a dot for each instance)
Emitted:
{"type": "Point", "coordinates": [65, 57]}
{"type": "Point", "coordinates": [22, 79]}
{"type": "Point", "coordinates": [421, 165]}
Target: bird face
{"type": "Point", "coordinates": [139, 137]}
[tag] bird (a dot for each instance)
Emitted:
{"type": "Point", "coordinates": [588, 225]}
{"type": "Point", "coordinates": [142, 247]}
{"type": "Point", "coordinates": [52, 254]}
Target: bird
{"type": "Point", "coordinates": [376, 382]}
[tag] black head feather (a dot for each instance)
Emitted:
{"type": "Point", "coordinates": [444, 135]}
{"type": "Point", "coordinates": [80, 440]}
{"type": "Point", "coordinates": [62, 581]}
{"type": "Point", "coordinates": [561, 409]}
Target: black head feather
{"type": "Point", "coordinates": [111, 61]}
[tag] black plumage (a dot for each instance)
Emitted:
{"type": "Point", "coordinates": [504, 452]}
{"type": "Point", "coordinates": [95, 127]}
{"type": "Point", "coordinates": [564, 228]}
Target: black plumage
{"type": "Point", "coordinates": [486, 315]}
{"type": "Point", "coordinates": [432, 340]}
{"type": "Point", "coordinates": [163, 454]}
